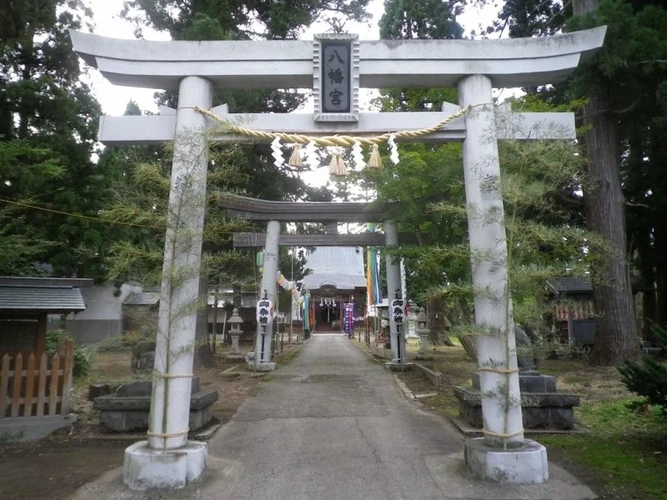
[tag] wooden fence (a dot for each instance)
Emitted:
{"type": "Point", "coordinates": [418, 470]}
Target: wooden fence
{"type": "Point", "coordinates": [41, 388]}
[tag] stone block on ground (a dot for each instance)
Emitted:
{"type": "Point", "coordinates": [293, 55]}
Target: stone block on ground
{"type": "Point", "coordinates": [529, 381]}
{"type": "Point", "coordinates": [539, 410]}
{"type": "Point", "coordinates": [130, 413]}
{"type": "Point", "coordinates": [97, 390]}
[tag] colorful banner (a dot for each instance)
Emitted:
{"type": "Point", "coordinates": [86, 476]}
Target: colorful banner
{"type": "Point", "coordinates": [372, 273]}
{"type": "Point", "coordinates": [285, 284]}
{"type": "Point", "coordinates": [348, 317]}
{"type": "Point", "coordinates": [306, 311]}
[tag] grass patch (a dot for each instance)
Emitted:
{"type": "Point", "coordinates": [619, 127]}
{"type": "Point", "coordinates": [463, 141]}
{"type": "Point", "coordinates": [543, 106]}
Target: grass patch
{"type": "Point", "coordinates": [627, 448]}
{"type": "Point", "coordinates": [625, 454]}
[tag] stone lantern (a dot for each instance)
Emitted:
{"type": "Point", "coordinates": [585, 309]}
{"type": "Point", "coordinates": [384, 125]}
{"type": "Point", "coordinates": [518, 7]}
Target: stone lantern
{"type": "Point", "coordinates": [235, 332]}
{"type": "Point", "coordinates": [423, 333]}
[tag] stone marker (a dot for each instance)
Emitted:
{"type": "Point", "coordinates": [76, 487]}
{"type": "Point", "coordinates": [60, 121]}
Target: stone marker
{"type": "Point", "coordinates": [423, 333]}
{"type": "Point", "coordinates": [235, 332]}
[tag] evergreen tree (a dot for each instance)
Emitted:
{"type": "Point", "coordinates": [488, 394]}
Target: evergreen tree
{"type": "Point", "coordinates": [420, 19]}
{"type": "Point", "coordinates": [428, 182]}
{"type": "Point", "coordinates": [616, 332]}
{"type": "Point", "coordinates": [623, 131]}
{"type": "Point", "coordinates": [648, 378]}
{"type": "Point", "coordinates": [48, 129]}
{"type": "Point", "coordinates": [278, 19]}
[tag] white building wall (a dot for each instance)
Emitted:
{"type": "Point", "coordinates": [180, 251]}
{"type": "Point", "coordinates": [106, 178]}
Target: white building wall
{"type": "Point", "coordinates": [103, 317]}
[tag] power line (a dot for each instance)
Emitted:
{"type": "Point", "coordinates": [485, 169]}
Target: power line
{"type": "Point", "coordinates": [88, 217]}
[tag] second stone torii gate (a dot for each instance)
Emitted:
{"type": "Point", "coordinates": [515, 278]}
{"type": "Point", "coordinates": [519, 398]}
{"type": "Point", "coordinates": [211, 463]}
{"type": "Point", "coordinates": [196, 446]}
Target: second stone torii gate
{"type": "Point", "coordinates": [336, 66]}
{"type": "Point", "coordinates": [276, 212]}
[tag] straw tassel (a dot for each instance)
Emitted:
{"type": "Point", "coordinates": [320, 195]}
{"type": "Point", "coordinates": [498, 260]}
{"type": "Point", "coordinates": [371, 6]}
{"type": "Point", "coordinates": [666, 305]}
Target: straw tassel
{"type": "Point", "coordinates": [295, 159]}
{"type": "Point", "coordinates": [337, 165]}
{"type": "Point", "coordinates": [375, 160]}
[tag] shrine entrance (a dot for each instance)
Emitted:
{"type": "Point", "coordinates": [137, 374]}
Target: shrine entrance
{"type": "Point", "coordinates": [335, 66]}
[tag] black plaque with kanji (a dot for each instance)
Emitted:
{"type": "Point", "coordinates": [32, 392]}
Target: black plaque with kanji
{"type": "Point", "coordinates": [336, 73]}
{"type": "Point", "coordinates": [264, 307]}
{"type": "Point", "coordinates": [397, 311]}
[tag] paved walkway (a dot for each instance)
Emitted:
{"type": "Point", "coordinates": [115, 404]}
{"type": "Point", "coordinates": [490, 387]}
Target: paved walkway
{"type": "Point", "coordinates": [333, 424]}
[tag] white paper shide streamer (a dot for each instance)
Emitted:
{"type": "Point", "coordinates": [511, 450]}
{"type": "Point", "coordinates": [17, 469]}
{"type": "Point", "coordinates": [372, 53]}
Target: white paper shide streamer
{"type": "Point", "coordinates": [277, 153]}
{"type": "Point", "coordinates": [311, 155]}
{"type": "Point", "coordinates": [393, 155]}
{"type": "Point", "coordinates": [358, 155]}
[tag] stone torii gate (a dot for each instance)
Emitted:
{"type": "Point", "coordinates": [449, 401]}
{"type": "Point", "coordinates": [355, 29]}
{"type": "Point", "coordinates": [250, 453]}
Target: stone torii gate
{"type": "Point", "coordinates": [277, 212]}
{"type": "Point", "coordinates": [336, 66]}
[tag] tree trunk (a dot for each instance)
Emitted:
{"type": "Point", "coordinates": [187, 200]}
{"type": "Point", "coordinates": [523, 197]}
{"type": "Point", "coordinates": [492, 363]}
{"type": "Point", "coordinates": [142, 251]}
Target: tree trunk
{"type": "Point", "coordinates": [616, 328]}
{"type": "Point", "coordinates": [203, 356]}
{"type": "Point", "coordinates": [661, 297]}
{"type": "Point", "coordinates": [468, 344]}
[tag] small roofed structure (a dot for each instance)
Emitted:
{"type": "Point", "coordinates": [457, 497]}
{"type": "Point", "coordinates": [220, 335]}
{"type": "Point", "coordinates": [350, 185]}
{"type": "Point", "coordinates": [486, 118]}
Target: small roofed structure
{"type": "Point", "coordinates": [573, 314]}
{"type": "Point", "coordinates": [25, 304]}
{"type": "Point", "coordinates": [337, 277]}
{"type": "Point", "coordinates": [140, 311]}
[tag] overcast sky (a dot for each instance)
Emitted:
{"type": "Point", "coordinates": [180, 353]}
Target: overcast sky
{"type": "Point", "coordinates": [108, 23]}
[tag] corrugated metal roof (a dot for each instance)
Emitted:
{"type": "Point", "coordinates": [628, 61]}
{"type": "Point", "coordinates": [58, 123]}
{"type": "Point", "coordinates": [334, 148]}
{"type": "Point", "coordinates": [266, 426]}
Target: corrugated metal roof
{"type": "Point", "coordinates": [571, 285]}
{"type": "Point", "coordinates": [336, 260]}
{"type": "Point", "coordinates": [142, 299]}
{"type": "Point", "coordinates": [41, 298]}
{"type": "Point", "coordinates": [339, 267]}
{"type": "Point", "coordinates": [23, 281]}
{"type": "Point", "coordinates": [340, 281]}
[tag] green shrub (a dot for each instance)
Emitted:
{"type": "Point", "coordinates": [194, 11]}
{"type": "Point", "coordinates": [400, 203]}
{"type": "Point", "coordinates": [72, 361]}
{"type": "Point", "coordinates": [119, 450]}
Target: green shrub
{"type": "Point", "coordinates": [82, 357]}
{"type": "Point", "coordinates": [648, 378]}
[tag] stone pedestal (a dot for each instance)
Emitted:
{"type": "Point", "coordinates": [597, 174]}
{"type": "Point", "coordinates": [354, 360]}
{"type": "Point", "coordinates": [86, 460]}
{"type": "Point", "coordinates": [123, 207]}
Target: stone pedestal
{"type": "Point", "coordinates": [423, 348]}
{"type": "Point", "coordinates": [262, 367]}
{"type": "Point", "coordinates": [128, 409]}
{"type": "Point", "coordinates": [235, 332]}
{"type": "Point", "coordinates": [423, 333]}
{"type": "Point", "coordinates": [526, 464]}
{"type": "Point", "coordinates": [145, 468]}
{"type": "Point", "coordinates": [542, 406]}
{"type": "Point", "coordinates": [235, 353]}
{"type": "Point", "coordinates": [398, 367]}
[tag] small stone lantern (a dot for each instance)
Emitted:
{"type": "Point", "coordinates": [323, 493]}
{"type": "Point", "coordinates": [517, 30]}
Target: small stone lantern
{"type": "Point", "coordinates": [235, 332]}
{"type": "Point", "coordinates": [423, 333]}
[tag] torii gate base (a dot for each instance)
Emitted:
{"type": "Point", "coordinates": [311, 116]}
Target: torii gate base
{"type": "Point", "coordinates": [145, 468]}
{"type": "Point", "coordinates": [524, 465]}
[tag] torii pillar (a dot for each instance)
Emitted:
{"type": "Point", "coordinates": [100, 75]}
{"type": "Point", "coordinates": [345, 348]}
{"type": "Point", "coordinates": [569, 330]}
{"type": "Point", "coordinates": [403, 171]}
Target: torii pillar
{"type": "Point", "coordinates": [168, 459]}
{"type": "Point", "coordinates": [265, 332]}
{"type": "Point", "coordinates": [394, 286]}
{"type": "Point", "coordinates": [524, 460]}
